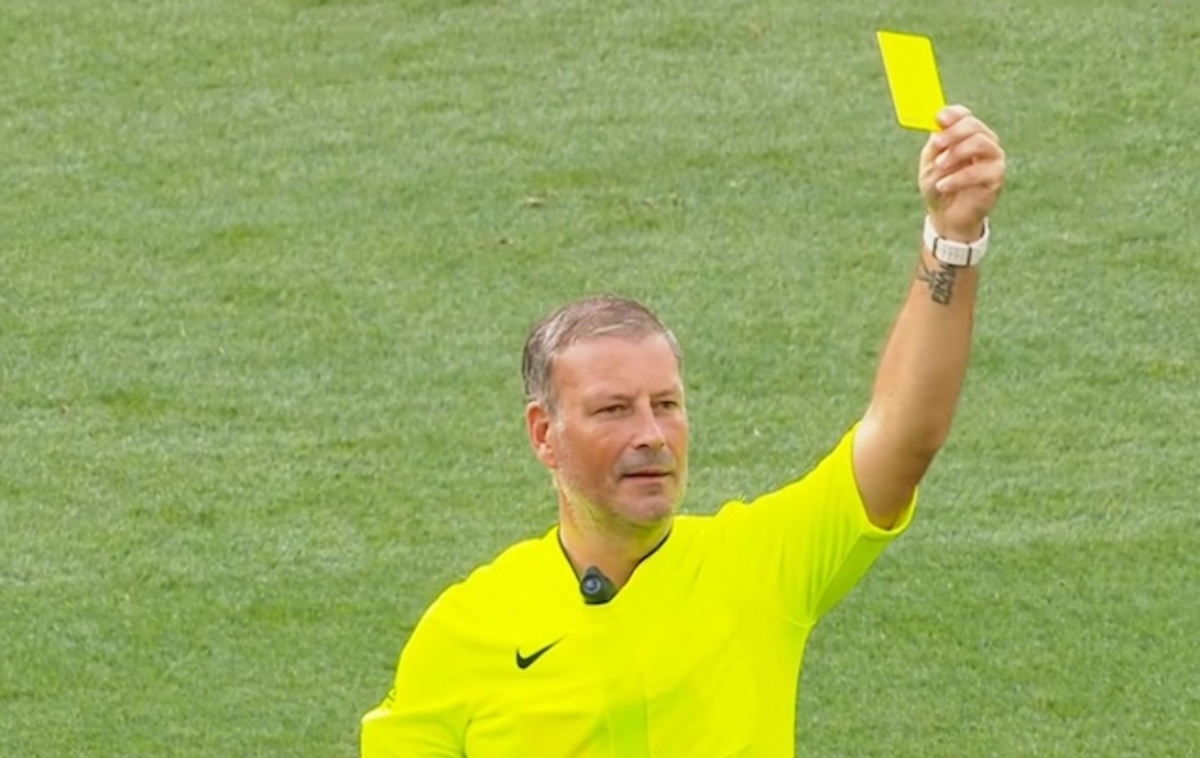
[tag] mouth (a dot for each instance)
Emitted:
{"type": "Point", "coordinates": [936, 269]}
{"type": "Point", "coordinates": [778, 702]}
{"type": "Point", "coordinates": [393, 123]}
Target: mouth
{"type": "Point", "coordinates": [648, 474]}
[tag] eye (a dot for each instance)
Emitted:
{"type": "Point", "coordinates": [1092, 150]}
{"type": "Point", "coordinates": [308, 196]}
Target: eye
{"type": "Point", "coordinates": [609, 410]}
{"type": "Point", "coordinates": [668, 405]}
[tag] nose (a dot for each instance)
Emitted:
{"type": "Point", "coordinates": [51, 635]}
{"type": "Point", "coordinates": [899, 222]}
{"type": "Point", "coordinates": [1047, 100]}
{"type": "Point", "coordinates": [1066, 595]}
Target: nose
{"type": "Point", "coordinates": [649, 432]}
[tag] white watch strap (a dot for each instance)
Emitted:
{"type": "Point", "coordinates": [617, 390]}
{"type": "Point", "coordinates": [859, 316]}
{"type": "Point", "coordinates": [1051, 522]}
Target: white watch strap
{"type": "Point", "coordinates": [956, 253]}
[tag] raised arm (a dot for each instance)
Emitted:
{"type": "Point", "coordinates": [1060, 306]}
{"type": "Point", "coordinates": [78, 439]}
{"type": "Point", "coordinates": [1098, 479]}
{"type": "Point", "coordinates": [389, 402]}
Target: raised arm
{"type": "Point", "coordinates": [924, 361]}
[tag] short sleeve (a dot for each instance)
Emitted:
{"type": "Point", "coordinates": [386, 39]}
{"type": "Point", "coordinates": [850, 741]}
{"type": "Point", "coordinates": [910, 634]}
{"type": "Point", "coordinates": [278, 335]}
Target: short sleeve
{"type": "Point", "coordinates": [807, 544]}
{"type": "Point", "coordinates": [425, 714]}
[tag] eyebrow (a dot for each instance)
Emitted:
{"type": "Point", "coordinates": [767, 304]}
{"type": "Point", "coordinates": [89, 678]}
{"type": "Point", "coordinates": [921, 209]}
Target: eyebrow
{"type": "Point", "coordinates": [621, 397]}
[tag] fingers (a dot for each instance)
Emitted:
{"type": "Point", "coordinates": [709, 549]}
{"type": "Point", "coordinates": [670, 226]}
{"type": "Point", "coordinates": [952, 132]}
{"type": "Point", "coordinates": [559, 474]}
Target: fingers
{"type": "Point", "coordinates": [973, 147]}
{"type": "Point", "coordinates": [952, 114]}
{"type": "Point", "coordinates": [958, 123]}
{"type": "Point", "coordinates": [977, 150]}
{"type": "Point", "coordinates": [986, 175]}
{"type": "Point", "coordinates": [965, 153]}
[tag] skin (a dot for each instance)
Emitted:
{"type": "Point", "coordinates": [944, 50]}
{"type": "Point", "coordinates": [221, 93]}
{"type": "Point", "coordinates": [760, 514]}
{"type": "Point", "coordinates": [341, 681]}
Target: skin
{"type": "Point", "coordinates": [619, 401]}
{"type": "Point", "coordinates": [616, 443]}
{"type": "Point", "coordinates": [920, 374]}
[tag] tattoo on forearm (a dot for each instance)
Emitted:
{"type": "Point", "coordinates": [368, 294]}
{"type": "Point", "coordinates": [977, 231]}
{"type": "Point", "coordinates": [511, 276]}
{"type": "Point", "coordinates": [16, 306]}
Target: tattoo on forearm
{"type": "Point", "coordinates": [940, 282]}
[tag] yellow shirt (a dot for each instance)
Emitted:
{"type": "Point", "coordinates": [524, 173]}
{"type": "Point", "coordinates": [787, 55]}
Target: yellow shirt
{"type": "Point", "coordinates": [699, 654]}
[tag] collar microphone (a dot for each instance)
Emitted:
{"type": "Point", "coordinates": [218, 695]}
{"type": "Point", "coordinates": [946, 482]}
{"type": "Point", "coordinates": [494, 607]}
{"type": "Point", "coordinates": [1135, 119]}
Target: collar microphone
{"type": "Point", "coordinates": [596, 588]}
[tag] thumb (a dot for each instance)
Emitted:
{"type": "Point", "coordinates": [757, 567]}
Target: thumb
{"type": "Point", "coordinates": [929, 151]}
{"type": "Point", "coordinates": [926, 170]}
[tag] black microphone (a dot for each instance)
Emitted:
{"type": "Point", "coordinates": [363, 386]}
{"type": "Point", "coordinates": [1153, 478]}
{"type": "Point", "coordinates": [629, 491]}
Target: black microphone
{"type": "Point", "coordinates": [596, 588]}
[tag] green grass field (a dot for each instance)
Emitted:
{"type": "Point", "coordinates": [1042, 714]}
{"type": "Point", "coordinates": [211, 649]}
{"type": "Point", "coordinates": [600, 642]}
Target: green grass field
{"type": "Point", "coordinates": [266, 269]}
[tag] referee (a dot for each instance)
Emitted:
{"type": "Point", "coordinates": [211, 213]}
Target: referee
{"type": "Point", "coordinates": [630, 631]}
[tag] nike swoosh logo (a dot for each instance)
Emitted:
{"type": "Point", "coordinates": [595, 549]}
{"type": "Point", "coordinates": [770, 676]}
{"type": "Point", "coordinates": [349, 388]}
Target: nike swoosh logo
{"type": "Point", "coordinates": [524, 662]}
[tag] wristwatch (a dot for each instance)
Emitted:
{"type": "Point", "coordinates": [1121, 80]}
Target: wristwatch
{"type": "Point", "coordinates": [956, 253]}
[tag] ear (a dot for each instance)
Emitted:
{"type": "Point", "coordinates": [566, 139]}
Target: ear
{"type": "Point", "coordinates": [540, 426]}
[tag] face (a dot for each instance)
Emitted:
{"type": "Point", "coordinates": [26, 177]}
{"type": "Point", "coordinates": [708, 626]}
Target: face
{"type": "Point", "coordinates": [617, 443]}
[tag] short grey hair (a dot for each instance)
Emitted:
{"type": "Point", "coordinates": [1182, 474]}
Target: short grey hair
{"type": "Point", "coordinates": [600, 316]}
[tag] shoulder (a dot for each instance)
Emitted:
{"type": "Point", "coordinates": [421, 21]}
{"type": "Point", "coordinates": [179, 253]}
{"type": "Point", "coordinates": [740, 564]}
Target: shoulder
{"type": "Point", "coordinates": [831, 475]}
{"type": "Point", "coordinates": [493, 588]}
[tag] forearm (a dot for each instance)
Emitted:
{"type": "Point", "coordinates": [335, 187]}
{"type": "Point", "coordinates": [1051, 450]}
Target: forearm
{"type": "Point", "coordinates": [924, 361]}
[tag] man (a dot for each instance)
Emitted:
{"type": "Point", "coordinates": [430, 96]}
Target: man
{"type": "Point", "coordinates": [629, 631]}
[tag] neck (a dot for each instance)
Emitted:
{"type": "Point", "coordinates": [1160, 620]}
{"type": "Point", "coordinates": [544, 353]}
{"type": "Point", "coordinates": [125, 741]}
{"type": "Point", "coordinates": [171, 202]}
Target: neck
{"type": "Point", "coordinates": [616, 552]}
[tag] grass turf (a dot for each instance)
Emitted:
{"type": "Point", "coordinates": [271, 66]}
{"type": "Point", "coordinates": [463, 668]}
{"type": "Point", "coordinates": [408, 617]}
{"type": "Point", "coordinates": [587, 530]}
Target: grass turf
{"type": "Point", "coordinates": [267, 268]}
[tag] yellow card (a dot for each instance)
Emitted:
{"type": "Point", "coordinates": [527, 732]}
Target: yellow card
{"type": "Point", "coordinates": [913, 78]}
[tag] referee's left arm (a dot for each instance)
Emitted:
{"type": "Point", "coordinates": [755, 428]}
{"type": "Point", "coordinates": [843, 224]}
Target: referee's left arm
{"type": "Point", "coordinates": [921, 372]}
{"type": "Point", "coordinates": [425, 714]}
